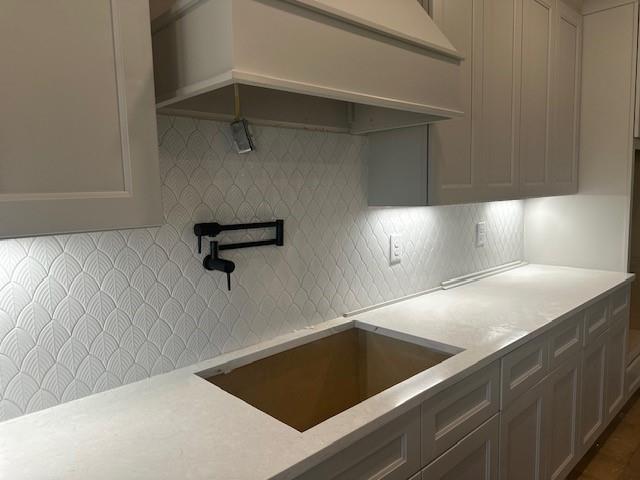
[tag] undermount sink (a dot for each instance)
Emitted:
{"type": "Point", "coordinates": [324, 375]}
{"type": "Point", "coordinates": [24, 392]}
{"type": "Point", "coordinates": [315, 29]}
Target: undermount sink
{"type": "Point", "coordinates": [309, 384]}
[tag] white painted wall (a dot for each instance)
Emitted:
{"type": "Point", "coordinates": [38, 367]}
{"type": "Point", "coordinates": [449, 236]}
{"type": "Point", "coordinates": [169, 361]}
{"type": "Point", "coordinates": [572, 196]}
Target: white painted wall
{"type": "Point", "coordinates": [591, 229]}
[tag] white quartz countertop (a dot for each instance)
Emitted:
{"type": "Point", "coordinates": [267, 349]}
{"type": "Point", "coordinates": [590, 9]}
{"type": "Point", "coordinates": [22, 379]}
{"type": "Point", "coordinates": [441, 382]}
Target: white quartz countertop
{"type": "Point", "coordinates": [179, 426]}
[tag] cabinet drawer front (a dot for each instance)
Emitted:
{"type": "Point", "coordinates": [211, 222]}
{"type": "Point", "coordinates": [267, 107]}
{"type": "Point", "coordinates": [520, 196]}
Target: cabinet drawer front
{"type": "Point", "coordinates": [390, 453]}
{"type": "Point", "coordinates": [455, 412]}
{"type": "Point", "coordinates": [633, 377]}
{"type": "Point", "coordinates": [596, 321]}
{"type": "Point", "coordinates": [523, 368]}
{"type": "Point", "coordinates": [619, 303]}
{"type": "Point", "coordinates": [474, 458]}
{"type": "Point", "coordinates": [565, 340]}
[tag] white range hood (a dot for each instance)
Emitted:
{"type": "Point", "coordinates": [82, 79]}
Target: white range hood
{"type": "Point", "coordinates": [348, 65]}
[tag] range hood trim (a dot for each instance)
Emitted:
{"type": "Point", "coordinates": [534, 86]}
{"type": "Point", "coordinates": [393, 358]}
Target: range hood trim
{"type": "Point", "coordinates": [246, 78]}
{"type": "Point", "coordinates": [181, 7]}
{"type": "Point", "coordinates": [318, 6]}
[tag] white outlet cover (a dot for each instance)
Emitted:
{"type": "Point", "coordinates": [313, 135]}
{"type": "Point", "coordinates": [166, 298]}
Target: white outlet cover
{"type": "Point", "coordinates": [395, 248]}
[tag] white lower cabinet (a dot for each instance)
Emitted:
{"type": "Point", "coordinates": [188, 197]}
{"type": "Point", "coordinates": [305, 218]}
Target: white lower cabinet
{"type": "Point", "coordinates": [530, 415]}
{"type": "Point", "coordinates": [458, 410]}
{"type": "Point", "coordinates": [592, 418]}
{"type": "Point", "coordinates": [523, 433]}
{"type": "Point", "coordinates": [523, 368]}
{"type": "Point", "coordinates": [390, 453]}
{"type": "Point", "coordinates": [565, 340]}
{"type": "Point", "coordinates": [616, 368]}
{"type": "Point", "coordinates": [564, 388]}
{"type": "Point", "coordinates": [597, 321]}
{"type": "Point", "coordinates": [474, 458]}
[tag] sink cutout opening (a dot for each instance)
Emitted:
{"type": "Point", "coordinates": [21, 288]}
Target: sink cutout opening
{"type": "Point", "coordinates": [311, 383]}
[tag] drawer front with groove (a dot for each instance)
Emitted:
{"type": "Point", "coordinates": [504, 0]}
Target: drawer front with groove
{"type": "Point", "coordinates": [565, 340]}
{"type": "Point", "coordinates": [523, 368]}
{"type": "Point", "coordinates": [596, 321]}
{"type": "Point", "coordinates": [390, 453]}
{"type": "Point", "coordinates": [458, 410]}
{"type": "Point", "coordinates": [619, 303]}
{"type": "Point", "coordinates": [474, 458]}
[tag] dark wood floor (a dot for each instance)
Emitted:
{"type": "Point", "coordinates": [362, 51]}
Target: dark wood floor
{"type": "Point", "coordinates": [616, 454]}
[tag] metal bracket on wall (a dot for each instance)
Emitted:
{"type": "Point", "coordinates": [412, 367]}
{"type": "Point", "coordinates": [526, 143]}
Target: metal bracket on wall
{"type": "Point", "coordinates": [214, 262]}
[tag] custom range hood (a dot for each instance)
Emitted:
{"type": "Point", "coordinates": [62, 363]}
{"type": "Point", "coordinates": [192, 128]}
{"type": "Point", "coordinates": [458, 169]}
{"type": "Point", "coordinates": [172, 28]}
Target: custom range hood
{"type": "Point", "coordinates": [358, 66]}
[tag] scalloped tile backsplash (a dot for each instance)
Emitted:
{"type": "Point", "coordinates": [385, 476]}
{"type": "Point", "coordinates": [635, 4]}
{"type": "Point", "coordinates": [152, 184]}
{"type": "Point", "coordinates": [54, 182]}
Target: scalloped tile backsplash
{"type": "Point", "coordinates": [83, 313]}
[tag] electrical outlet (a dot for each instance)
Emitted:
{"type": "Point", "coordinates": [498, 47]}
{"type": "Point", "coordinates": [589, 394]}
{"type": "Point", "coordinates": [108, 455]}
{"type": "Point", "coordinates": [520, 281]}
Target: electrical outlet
{"type": "Point", "coordinates": [481, 234]}
{"type": "Point", "coordinates": [395, 248]}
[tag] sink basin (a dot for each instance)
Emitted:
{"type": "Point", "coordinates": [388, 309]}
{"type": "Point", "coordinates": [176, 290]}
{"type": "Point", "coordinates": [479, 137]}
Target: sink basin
{"type": "Point", "coordinates": [306, 385]}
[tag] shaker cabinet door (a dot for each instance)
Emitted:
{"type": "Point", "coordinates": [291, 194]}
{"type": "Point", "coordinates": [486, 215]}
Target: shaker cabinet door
{"type": "Point", "coordinates": [78, 139]}
{"type": "Point", "coordinates": [452, 173]}
{"type": "Point", "coordinates": [564, 386]}
{"type": "Point", "coordinates": [592, 409]}
{"type": "Point", "coordinates": [563, 153]}
{"type": "Point", "coordinates": [535, 94]}
{"type": "Point", "coordinates": [496, 91]}
{"type": "Point", "coordinates": [523, 435]}
{"type": "Point", "coordinates": [616, 367]}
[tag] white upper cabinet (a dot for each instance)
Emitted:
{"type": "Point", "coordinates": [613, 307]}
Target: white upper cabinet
{"type": "Point", "coordinates": [496, 91]}
{"type": "Point", "coordinates": [535, 94]}
{"type": "Point", "coordinates": [450, 143]}
{"type": "Point", "coordinates": [520, 93]}
{"type": "Point", "coordinates": [562, 172]}
{"type": "Point", "coordinates": [78, 140]}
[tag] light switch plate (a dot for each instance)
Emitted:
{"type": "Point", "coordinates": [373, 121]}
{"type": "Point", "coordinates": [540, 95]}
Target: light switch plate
{"type": "Point", "coordinates": [481, 234]}
{"type": "Point", "coordinates": [395, 248]}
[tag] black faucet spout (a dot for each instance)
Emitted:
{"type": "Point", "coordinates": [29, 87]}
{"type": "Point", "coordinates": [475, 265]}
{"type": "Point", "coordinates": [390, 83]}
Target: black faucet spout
{"type": "Point", "coordinates": [214, 263]}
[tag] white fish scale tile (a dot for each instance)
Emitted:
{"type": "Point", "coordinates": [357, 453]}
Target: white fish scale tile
{"type": "Point", "coordinates": [84, 313]}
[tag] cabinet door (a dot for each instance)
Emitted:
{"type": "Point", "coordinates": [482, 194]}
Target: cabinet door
{"type": "Point", "coordinates": [616, 368]}
{"type": "Point", "coordinates": [592, 420]}
{"type": "Point", "coordinates": [475, 457]}
{"type": "Point", "coordinates": [563, 154]}
{"type": "Point", "coordinates": [535, 94]}
{"type": "Point", "coordinates": [523, 436]}
{"type": "Point", "coordinates": [78, 138]}
{"type": "Point", "coordinates": [564, 388]}
{"type": "Point", "coordinates": [451, 153]}
{"type": "Point", "coordinates": [496, 91]}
